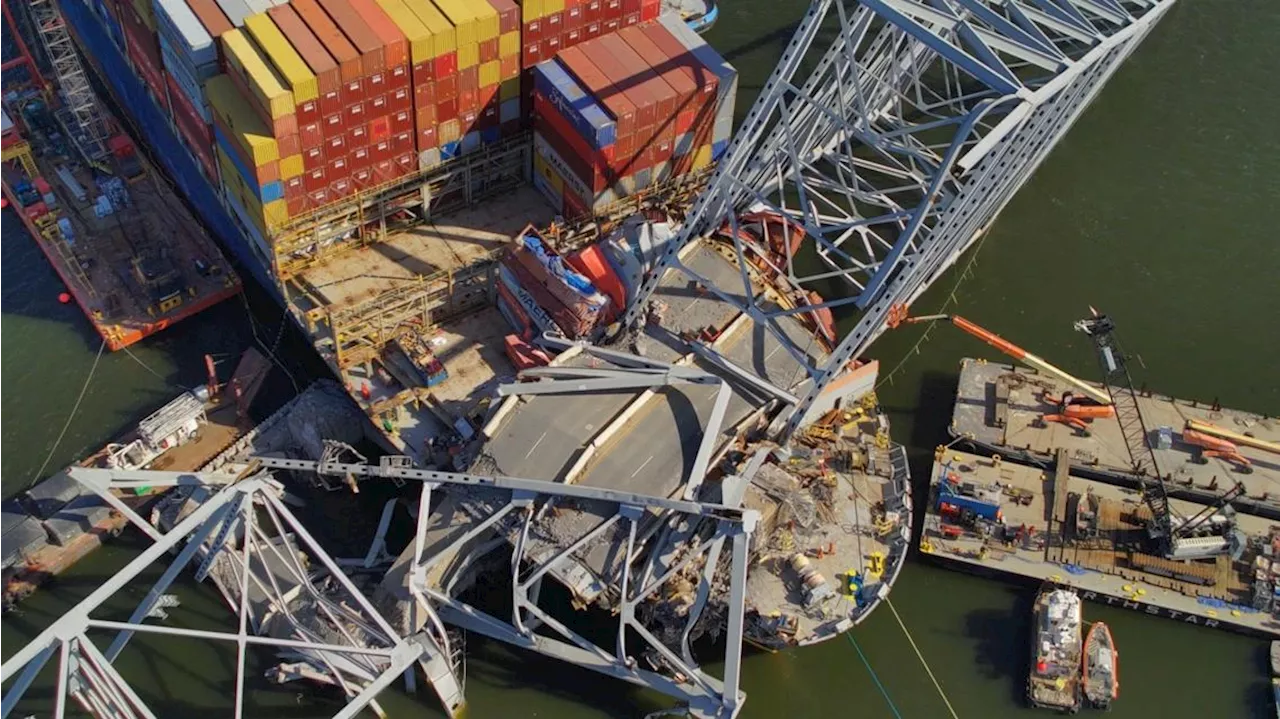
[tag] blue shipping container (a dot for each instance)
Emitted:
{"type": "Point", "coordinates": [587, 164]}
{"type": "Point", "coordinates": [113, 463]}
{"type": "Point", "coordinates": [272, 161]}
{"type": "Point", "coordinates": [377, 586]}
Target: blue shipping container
{"type": "Point", "coordinates": [266, 193]}
{"type": "Point", "coordinates": [566, 95]}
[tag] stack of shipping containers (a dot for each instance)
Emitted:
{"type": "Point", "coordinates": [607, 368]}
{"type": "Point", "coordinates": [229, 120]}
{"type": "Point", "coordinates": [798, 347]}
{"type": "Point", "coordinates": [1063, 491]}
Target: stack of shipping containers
{"type": "Point", "coordinates": [624, 111]}
{"type": "Point", "coordinates": [291, 105]}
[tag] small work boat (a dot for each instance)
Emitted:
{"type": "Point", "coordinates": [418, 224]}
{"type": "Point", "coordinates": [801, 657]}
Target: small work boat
{"type": "Point", "coordinates": [1275, 658]}
{"type": "Point", "coordinates": [699, 15]}
{"type": "Point", "coordinates": [1101, 668]}
{"type": "Point", "coordinates": [1054, 679]}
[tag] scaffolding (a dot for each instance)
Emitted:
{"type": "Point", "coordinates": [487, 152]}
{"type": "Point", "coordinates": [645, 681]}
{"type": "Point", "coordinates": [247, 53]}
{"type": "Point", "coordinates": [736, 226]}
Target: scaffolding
{"type": "Point", "coordinates": [79, 113]}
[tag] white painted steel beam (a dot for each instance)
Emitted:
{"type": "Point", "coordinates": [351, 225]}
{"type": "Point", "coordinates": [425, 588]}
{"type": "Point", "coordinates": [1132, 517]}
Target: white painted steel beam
{"type": "Point", "coordinates": [914, 127]}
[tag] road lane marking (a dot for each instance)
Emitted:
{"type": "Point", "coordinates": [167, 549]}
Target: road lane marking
{"type": "Point", "coordinates": [535, 444]}
{"type": "Point", "coordinates": [647, 461]}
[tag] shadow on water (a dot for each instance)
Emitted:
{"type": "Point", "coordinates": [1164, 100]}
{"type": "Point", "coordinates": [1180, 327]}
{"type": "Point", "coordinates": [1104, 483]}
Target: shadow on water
{"type": "Point", "coordinates": [1000, 644]}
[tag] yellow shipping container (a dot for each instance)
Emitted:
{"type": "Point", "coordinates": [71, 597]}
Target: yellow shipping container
{"type": "Point", "coordinates": [286, 60]}
{"type": "Point", "coordinates": [489, 73]}
{"type": "Point", "coordinates": [266, 216]}
{"type": "Point", "coordinates": [508, 44]}
{"type": "Point", "coordinates": [290, 166]}
{"type": "Point", "coordinates": [548, 172]}
{"type": "Point", "coordinates": [421, 46]}
{"type": "Point", "coordinates": [468, 55]}
{"type": "Point", "coordinates": [266, 85]}
{"type": "Point", "coordinates": [530, 10]}
{"type": "Point", "coordinates": [247, 129]}
{"type": "Point", "coordinates": [702, 157]}
{"type": "Point", "coordinates": [274, 214]}
{"type": "Point", "coordinates": [508, 89]}
{"type": "Point", "coordinates": [443, 35]}
{"type": "Point", "coordinates": [486, 20]}
{"type": "Point", "coordinates": [550, 6]}
{"type": "Point", "coordinates": [463, 19]}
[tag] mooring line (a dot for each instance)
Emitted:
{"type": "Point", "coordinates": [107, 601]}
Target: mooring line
{"type": "Point", "coordinates": [934, 679]}
{"type": "Point", "coordinates": [884, 692]}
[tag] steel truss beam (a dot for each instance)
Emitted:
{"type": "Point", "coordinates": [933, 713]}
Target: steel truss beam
{"type": "Point", "coordinates": [915, 127]}
{"type": "Point", "coordinates": [510, 507]}
{"type": "Point", "coordinates": [332, 632]}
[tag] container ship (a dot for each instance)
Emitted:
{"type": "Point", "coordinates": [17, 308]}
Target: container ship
{"type": "Point", "coordinates": [126, 248]}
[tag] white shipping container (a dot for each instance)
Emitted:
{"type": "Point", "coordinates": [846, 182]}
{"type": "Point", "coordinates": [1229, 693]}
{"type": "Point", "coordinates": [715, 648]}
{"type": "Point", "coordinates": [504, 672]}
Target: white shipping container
{"type": "Point", "coordinates": [191, 37]}
{"type": "Point", "coordinates": [236, 11]}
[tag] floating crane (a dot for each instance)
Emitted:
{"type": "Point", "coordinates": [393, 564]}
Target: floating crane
{"type": "Point", "coordinates": [1174, 539]}
{"type": "Point", "coordinates": [1075, 412]}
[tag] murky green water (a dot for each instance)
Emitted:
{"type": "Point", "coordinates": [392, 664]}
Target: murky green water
{"type": "Point", "coordinates": [1159, 207]}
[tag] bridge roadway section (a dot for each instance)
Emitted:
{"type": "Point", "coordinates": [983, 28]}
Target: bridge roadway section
{"type": "Point", "coordinates": [652, 450]}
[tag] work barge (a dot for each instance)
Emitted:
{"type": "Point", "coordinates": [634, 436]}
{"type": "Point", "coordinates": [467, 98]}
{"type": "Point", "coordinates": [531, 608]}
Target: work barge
{"type": "Point", "coordinates": [1071, 507]}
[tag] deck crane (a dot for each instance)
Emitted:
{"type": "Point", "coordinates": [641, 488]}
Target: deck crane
{"type": "Point", "coordinates": [1170, 540]}
{"type": "Point", "coordinates": [1071, 410]}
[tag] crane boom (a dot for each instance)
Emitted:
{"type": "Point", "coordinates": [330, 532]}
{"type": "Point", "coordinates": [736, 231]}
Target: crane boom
{"type": "Point", "coordinates": [1243, 440]}
{"type": "Point", "coordinates": [1119, 384]}
{"type": "Point", "coordinates": [1019, 354]}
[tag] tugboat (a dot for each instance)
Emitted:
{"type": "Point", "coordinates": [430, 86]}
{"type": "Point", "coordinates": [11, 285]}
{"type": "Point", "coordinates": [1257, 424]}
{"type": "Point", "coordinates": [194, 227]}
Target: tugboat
{"type": "Point", "coordinates": [1101, 669]}
{"type": "Point", "coordinates": [1054, 679]}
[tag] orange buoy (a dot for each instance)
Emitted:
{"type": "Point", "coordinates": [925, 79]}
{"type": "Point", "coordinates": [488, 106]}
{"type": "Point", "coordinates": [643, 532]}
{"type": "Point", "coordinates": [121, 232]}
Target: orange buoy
{"type": "Point", "coordinates": [4, 202]}
{"type": "Point", "coordinates": [64, 297]}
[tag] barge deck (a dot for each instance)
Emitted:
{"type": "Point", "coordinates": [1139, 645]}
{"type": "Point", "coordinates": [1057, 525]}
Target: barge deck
{"type": "Point", "coordinates": [1045, 540]}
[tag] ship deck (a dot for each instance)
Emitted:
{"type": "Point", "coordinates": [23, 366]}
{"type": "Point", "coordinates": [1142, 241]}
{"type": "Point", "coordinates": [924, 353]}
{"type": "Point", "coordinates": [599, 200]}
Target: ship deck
{"type": "Point", "coordinates": [1099, 567]}
{"type": "Point", "coordinates": [105, 261]}
{"type": "Point", "coordinates": [997, 407]}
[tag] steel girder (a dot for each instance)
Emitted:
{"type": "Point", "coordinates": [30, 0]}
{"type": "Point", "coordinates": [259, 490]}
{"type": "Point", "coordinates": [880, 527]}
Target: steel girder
{"type": "Point", "coordinates": [507, 509]}
{"type": "Point", "coordinates": [332, 634]}
{"type": "Point", "coordinates": [914, 128]}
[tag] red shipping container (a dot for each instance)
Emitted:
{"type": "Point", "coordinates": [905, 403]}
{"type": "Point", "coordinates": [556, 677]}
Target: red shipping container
{"type": "Point", "coordinates": [574, 13]}
{"type": "Point", "coordinates": [489, 50]}
{"type": "Point", "coordinates": [379, 128]}
{"type": "Point", "coordinates": [400, 99]}
{"type": "Point", "coordinates": [310, 135]}
{"type": "Point", "coordinates": [612, 10]}
{"type": "Point", "coordinates": [446, 110]}
{"type": "Point", "coordinates": [445, 65]}
{"type": "Point", "coordinates": [314, 180]}
{"type": "Point", "coordinates": [618, 104]}
{"type": "Point", "coordinates": [682, 59]}
{"type": "Point", "coordinates": [375, 83]}
{"type": "Point", "coordinates": [532, 32]}
{"type": "Point", "coordinates": [508, 15]}
{"type": "Point", "coordinates": [295, 188]}
{"type": "Point", "coordinates": [650, 10]}
{"type": "Point", "coordinates": [333, 125]}
{"type": "Point", "coordinates": [338, 168]}
{"type": "Point", "coordinates": [509, 68]}
{"type": "Point", "coordinates": [468, 101]}
{"type": "Point", "coordinates": [486, 96]}
{"type": "Point", "coordinates": [592, 31]}
{"type": "Point", "coordinates": [489, 116]}
{"type": "Point", "coordinates": [401, 120]}
{"type": "Point", "coordinates": [467, 121]}
{"type": "Point", "coordinates": [355, 114]}
{"type": "Point", "coordinates": [335, 42]}
{"type": "Point", "coordinates": [408, 163]}
{"type": "Point", "coordinates": [184, 115]}
{"type": "Point", "coordinates": [199, 149]}
{"type": "Point", "coordinates": [360, 158]}
{"type": "Point", "coordinates": [353, 91]}
{"type": "Point", "coordinates": [335, 146]}
{"type": "Point", "coordinates": [611, 25]}
{"type": "Point", "coordinates": [289, 145]}
{"type": "Point", "coordinates": [468, 79]}
{"type": "Point", "coordinates": [653, 97]}
{"type": "Point", "coordinates": [631, 19]}
{"type": "Point", "coordinates": [314, 54]}
{"type": "Point", "coordinates": [395, 46]}
{"type": "Point", "coordinates": [362, 179]}
{"type": "Point", "coordinates": [424, 71]}
{"type": "Point", "coordinates": [550, 122]}
{"type": "Point", "coordinates": [531, 54]}
{"type": "Point", "coordinates": [593, 11]}
{"type": "Point", "coordinates": [357, 136]}
{"type": "Point", "coordinates": [377, 106]}
{"type": "Point", "coordinates": [365, 40]}
{"type": "Point", "coordinates": [308, 111]}
{"type": "Point", "coordinates": [552, 24]}
{"type": "Point", "coordinates": [402, 142]}
{"type": "Point", "coordinates": [297, 205]}
{"type": "Point", "coordinates": [630, 6]}
{"type": "Point", "coordinates": [583, 172]}
{"type": "Point", "coordinates": [341, 188]}
{"type": "Point", "coordinates": [381, 150]}
{"type": "Point", "coordinates": [688, 101]}
{"type": "Point", "coordinates": [447, 88]}
{"type": "Point", "coordinates": [398, 76]}
{"type": "Point", "coordinates": [318, 197]}
{"type": "Point", "coordinates": [573, 36]}
{"type": "Point", "coordinates": [313, 158]}
{"type": "Point", "coordinates": [551, 45]}
{"type": "Point", "coordinates": [384, 170]}
{"type": "Point", "coordinates": [424, 93]}
{"type": "Point", "coordinates": [424, 116]}
{"type": "Point", "coordinates": [426, 138]}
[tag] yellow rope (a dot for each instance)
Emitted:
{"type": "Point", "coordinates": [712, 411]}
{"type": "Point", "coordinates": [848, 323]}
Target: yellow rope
{"type": "Point", "coordinates": [922, 661]}
{"type": "Point", "coordinates": [74, 411]}
{"type": "Point", "coordinates": [951, 297]}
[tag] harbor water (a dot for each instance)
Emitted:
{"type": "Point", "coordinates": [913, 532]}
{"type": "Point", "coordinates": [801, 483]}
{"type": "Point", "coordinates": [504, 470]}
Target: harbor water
{"type": "Point", "coordinates": [1159, 208]}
